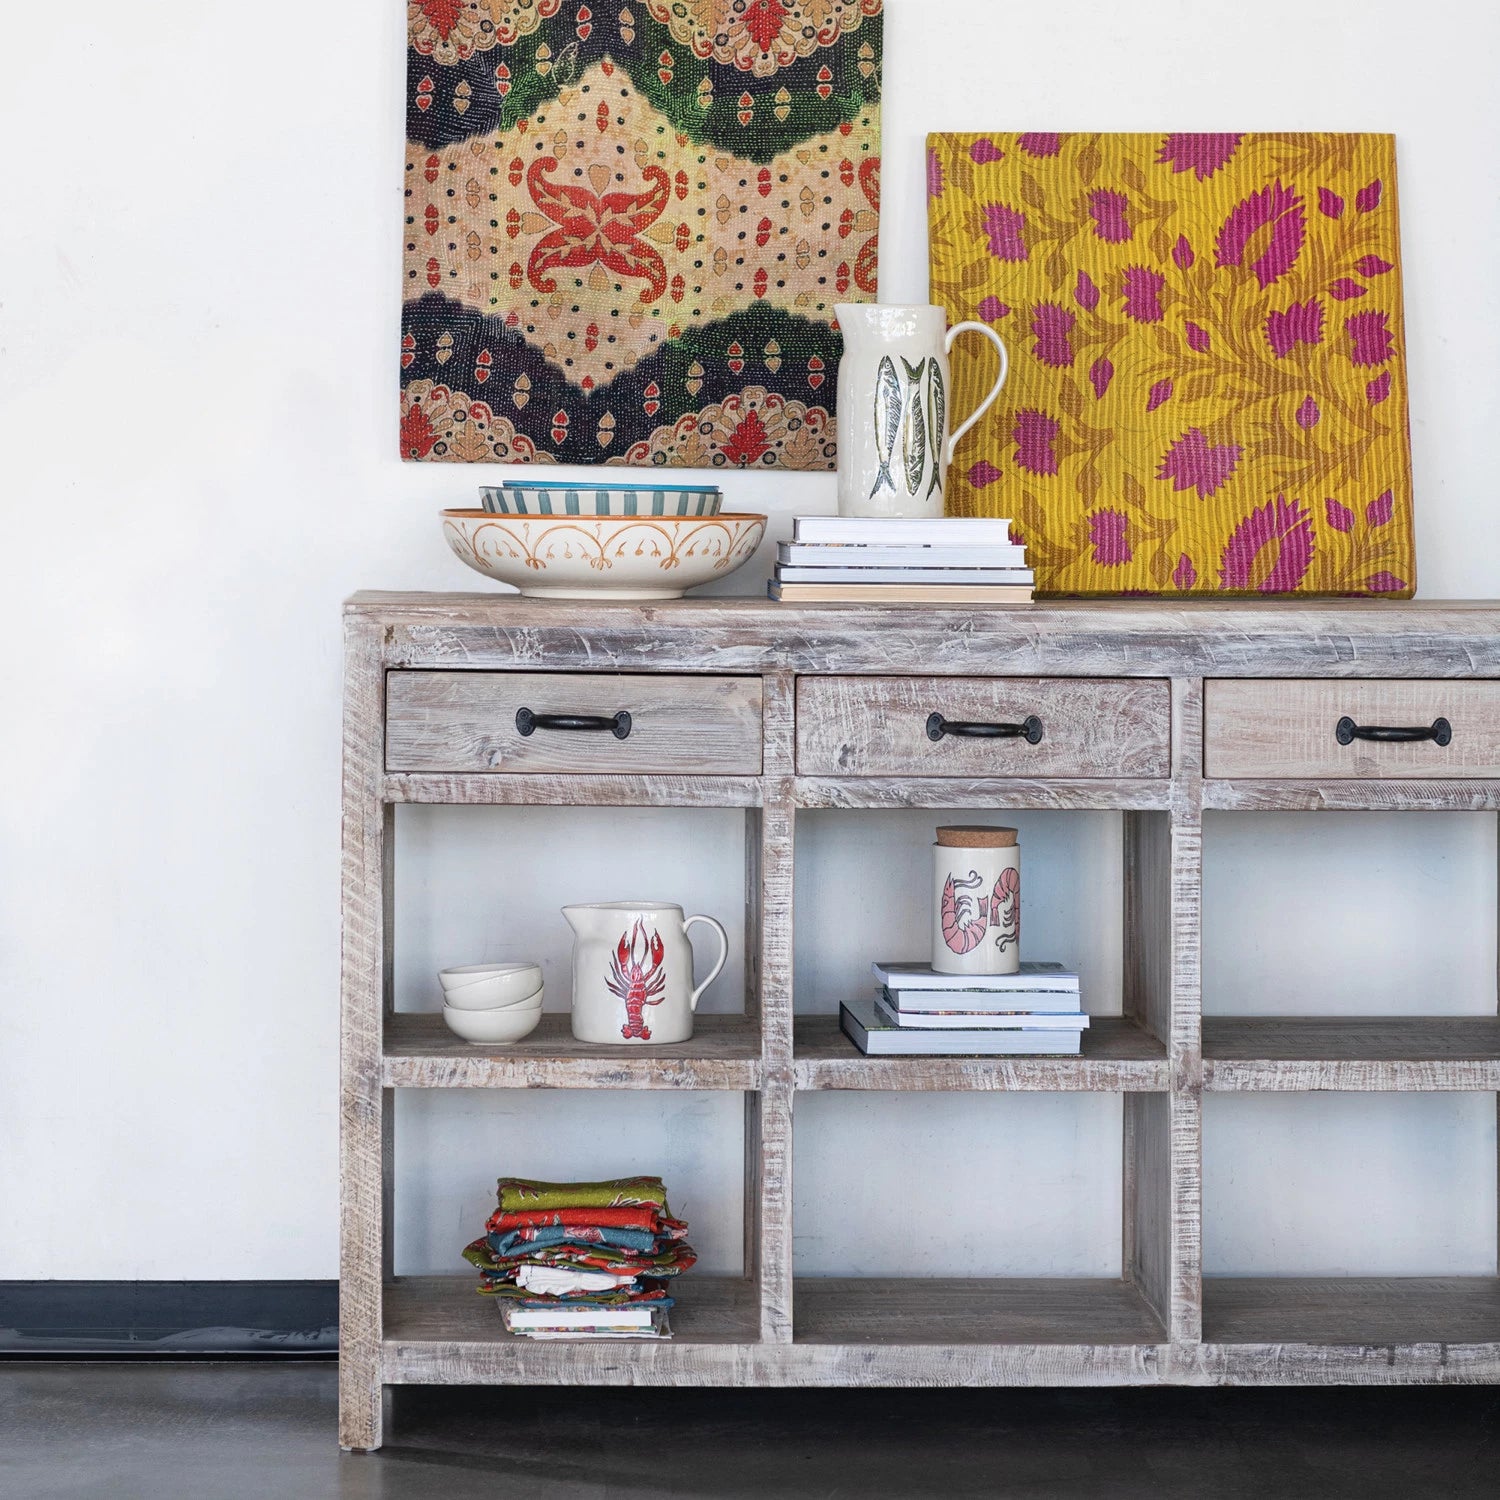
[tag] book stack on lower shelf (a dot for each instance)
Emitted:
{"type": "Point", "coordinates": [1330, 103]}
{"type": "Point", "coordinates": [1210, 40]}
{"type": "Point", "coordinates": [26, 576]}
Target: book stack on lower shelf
{"type": "Point", "coordinates": [918, 1012]}
{"type": "Point", "coordinates": [570, 1260]}
{"type": "Point", "coordinates": [857, 560]}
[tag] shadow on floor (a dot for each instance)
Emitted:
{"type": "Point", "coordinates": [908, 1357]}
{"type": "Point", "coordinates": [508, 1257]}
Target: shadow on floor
{"type": "Point", "coordinates": [266, 1432]}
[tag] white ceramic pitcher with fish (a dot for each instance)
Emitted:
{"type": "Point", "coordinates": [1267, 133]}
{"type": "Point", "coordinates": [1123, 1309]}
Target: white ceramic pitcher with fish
{"type": "Point", "coordinates": [893, 407]}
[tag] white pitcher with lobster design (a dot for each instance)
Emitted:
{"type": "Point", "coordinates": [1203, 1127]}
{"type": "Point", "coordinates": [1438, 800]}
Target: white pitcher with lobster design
{"type": "Point", "coordinates": [894, 406]}
{"type": "Point", "coordinates": [976, 918]}
{"type": "Point", "coordinates": [633, 971]}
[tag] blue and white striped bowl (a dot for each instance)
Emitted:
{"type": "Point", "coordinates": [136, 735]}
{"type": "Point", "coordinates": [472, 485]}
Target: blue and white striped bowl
{"type": "Point", "coordinates": [600, 500]}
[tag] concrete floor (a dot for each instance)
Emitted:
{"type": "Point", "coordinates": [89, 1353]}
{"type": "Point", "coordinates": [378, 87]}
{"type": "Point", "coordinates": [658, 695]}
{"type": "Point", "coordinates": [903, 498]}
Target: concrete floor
{"type": "Point", "coordinates": [266, 1432]}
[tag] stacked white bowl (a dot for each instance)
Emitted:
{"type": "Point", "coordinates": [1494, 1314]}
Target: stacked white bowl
{"type": "Point", "coordinates": [492, 1002]}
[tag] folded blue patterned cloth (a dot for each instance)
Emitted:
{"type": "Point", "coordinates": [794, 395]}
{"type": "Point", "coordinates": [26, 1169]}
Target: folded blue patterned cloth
{"type": "Point", "coordinates": [523, 1241]}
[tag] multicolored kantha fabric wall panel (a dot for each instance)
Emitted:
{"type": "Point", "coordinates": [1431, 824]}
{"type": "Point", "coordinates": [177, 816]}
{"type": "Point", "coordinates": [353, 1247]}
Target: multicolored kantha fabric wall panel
{"type": "Point", "coordinates": [627, 225]}
{"type": "Point", "coordinates": [1207, 387]}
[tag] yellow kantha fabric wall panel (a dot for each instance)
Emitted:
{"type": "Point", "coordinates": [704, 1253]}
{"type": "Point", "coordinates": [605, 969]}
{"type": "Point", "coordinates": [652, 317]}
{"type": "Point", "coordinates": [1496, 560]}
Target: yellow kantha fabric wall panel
{"type": "Point", "coordinates": [1208, 376]}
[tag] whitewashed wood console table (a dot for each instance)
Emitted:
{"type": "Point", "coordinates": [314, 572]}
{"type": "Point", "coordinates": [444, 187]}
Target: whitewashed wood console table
{"type": "Point", "coordinates": [1156, 711]}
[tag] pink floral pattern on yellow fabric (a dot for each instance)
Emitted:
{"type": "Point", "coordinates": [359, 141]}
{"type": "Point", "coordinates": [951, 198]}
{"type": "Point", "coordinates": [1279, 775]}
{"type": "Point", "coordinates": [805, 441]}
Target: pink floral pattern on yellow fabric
{"type": "Point", "coordinates": [1208, 375]}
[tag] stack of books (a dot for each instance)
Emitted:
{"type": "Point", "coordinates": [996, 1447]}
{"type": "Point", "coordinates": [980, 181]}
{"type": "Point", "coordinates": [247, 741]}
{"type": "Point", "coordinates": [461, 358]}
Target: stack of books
{"type": "Point", "coordinates": [918, 1012]}
{"type": "Point", "coordinates": [854, 560]}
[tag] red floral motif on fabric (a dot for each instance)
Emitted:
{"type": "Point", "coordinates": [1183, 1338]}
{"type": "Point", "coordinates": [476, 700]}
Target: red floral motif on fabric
{"type": "Point", "coordinates": [867, 262]}
{"type": "Point", "coordinates": [443, 15]}
{"type": "Point", "coordinates": [592, 227]}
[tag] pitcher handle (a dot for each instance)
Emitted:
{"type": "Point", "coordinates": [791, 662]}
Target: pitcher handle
{"type": "Point", "coordinates": [989, 400]}
{"type": "Point", "coordinates": [723, 955]}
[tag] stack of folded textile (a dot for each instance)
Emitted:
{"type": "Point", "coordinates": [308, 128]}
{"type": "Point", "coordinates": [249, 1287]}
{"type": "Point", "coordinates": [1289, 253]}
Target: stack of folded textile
{"type": "Point", "coordinates": [582, 1259]}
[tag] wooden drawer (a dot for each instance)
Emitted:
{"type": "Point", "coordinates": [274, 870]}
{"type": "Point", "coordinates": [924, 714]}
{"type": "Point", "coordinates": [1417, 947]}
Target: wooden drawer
{"type": "Point", "coordinates": [467, 721]}
{"type": "Point", "coordinates": [1280, 730]}
{"type": "Point", "coordinates": [879, 726]}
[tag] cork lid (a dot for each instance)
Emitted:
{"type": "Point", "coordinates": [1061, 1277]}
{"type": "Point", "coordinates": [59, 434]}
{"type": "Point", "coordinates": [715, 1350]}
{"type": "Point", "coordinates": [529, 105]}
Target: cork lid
{"type": "Point", "coordinates": [975, 836]}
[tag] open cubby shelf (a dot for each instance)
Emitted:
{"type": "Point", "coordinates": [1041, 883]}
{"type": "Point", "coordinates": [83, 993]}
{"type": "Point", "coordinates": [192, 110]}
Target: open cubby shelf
{"type": "Point", "coordinates": [1365, 1053]}
{"type": "Point", "coordinates": [1160, 1320]}
{"type": "Point", "coordinates": [420, 1052]}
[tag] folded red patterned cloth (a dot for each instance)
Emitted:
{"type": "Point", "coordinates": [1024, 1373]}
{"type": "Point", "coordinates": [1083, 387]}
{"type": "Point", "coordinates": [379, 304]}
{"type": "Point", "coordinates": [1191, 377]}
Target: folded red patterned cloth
{"type": "Point", "coordinates": [609, 1218]}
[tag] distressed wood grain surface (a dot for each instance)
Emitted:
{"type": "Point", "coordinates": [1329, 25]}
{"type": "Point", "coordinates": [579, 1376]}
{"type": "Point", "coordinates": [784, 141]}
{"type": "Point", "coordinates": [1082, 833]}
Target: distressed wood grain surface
{"type": "Point", "coordinates": [1352, 796]}
{"type": "Point", "coordinates": [769, 1169]}
{"type": "Point", "coordinates": [466, 722]}
{"type": "Point", "coordinates": [744, 659]}
{"type": "Point", "coordinates": [364, 1114]}
{"type": "Point", "coordinates": [973, 1310]}
{"type": "Point", "coordinates": [1385, 1311]}
{"type": "Point", "coordinates": [1136, 637]}
{"type": "Point", "coordinates": [877, 726]}
{"type": "Point", "coordinates": [438, 1330]}
{"type": "Point", "coordinates": [722, 1053]}
{"type": "Point", "coordinates": [1108, 794]}
{"type": "Point", "coordinates": [1286, 729]}
{"type": "Point", "coordinates": [1398, 1053]}
{"type": "Point", "coordinates": [540, 790]}
{"type": "Point", "coordinates": [1118, 1055]}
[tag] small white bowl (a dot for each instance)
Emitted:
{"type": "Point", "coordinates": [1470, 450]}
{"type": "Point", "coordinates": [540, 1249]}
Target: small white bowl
{"type": "Point", "coordinates": [508, 1024]}
{"type": "Point", "coordinates": [516, 980]}
{"type": "Point", "coordinates": [483, 996]}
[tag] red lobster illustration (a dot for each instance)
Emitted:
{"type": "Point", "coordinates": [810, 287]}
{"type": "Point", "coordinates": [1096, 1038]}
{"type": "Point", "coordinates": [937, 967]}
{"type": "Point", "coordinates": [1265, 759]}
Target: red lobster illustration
{"type": "Point", "coordinates": [636, 981]}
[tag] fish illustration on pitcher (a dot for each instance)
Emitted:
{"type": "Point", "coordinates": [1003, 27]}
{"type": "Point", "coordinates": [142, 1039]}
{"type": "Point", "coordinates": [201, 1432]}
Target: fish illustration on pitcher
{"type": "Point", "coordinates": [914, 428]}
{"type": "Point", "coordinates": [894, 443]}
{"type": "Point", "coordinates": [939, 424]}
{"type": "Point", "coordinates": [888, 409]}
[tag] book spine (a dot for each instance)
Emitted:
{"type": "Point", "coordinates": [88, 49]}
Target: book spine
{"type": "Point", "coordinates": [852, 554]}
{"type": "Point", "coordinates": [789, 573]}
{"type": "Point", "coordinates": [900, 533]}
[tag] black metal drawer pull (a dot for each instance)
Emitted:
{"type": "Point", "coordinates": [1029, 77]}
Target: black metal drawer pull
{"type": "Point", "coordinates": [1029, 729]}
{"type": "Point", "coordinates": [1346, 731]}
{"type": "Point", "coordinates": [615, 724]}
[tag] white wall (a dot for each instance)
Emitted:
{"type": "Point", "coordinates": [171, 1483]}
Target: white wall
{"type": "Point", "coordinates": [198, 316]}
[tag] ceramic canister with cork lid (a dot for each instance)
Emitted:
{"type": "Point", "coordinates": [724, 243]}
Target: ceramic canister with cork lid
{"type": "Point", "coordinates": [976, 910]}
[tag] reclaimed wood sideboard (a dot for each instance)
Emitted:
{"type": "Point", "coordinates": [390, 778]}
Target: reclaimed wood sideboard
{"type": "Point", "coordinates": [1156, 711]}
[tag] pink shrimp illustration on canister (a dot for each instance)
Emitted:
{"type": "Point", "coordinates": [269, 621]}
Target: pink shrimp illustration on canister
{"type": "Point", "coordinates": [976, 909]}
{"type": "Point", "coordinates": [965, 917]}
{"type": "Point", "coordinates": [1005, 909]}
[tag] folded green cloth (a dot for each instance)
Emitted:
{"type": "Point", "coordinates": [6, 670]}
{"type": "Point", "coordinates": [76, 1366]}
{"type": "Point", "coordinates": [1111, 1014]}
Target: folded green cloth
{"type": "Point", "coordinates": [520, 1194]}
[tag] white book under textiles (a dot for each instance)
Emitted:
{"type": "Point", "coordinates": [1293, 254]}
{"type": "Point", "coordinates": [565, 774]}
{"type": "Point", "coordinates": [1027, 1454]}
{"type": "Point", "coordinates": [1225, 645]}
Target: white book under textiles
{"type": "Point", "coordinates": [860, 555]}
{"type": "Point", "coordinates": [974, 1020]}
{"type": "Point", "coordinates": [580, 1317]}
{"type": "Point", "coordinates": [950, 531]}
{"type": "Point", "coordinates": [859, 574]}
{"type": "Point", "coordinates": [1048, 977]}
{"type": "Point", "coordinates": [876, 1036]}
{"type": "Point", "coordinates": [562, 1334]}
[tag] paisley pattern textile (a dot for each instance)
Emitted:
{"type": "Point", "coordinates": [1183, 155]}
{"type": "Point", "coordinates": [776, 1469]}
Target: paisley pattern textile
{"type": "Point", "coordinates": [627, 224]}
{"type": "Point", "coordinates": [1207, 388]}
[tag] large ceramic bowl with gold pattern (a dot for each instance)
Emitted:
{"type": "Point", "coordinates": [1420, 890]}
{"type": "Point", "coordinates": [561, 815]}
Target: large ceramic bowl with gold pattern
{"type": "Point", "coordinates": [603, 557]}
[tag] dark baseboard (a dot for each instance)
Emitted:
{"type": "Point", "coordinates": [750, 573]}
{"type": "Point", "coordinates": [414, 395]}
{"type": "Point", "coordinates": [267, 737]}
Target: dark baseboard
{"type": "Point", "coordinates": [172, 1319]}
